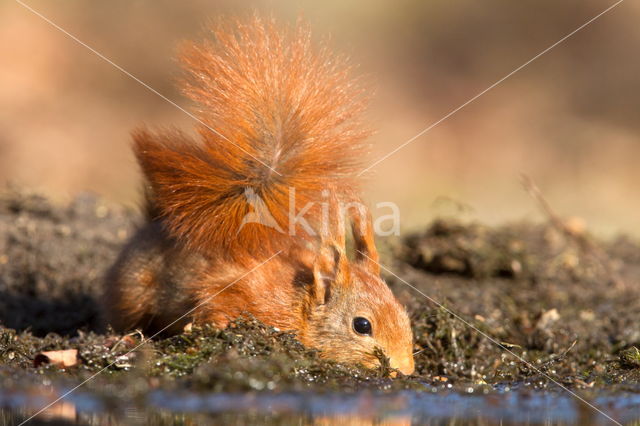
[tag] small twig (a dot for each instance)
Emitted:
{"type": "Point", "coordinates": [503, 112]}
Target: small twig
{"type": "Point", "coordinates": [121, 341]}
{"type": "Point", "coordinates": [553, 358]}
{"type": "Point", "coordinates": [535, 193]}
{"type": "Point", "coordinates": [564, 354]}
{"type": "Point", "coordinates": [585, 245]}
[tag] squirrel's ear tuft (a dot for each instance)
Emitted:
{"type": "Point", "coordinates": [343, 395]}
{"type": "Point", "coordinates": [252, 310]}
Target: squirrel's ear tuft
{"type": "Point", "coordinates": [363, 237]}
{"type": "Point", "coordinates": [330, 269]}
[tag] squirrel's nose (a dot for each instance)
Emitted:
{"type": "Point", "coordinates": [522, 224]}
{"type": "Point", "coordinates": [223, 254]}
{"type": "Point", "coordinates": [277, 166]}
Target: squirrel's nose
{"type": "Point", "coordinates": [403, 364]}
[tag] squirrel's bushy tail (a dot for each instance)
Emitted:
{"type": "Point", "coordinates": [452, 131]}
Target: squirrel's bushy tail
{"type": "Point", "coordinates": [278, 116]}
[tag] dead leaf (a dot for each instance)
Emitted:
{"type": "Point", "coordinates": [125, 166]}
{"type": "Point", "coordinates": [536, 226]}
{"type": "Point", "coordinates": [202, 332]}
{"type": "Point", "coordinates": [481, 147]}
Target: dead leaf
{"type": "Point", "coordinates": [548, 318]}
{"type": "Point", "coordinates": [63, 358]}
{"type": "Point", "coordinates": [575, 225]}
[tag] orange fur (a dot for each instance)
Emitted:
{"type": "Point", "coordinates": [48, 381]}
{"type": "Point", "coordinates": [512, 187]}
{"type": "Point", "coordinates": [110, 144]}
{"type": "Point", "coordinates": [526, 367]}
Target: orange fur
{"type": "Point", "coordinates": [284, 115]}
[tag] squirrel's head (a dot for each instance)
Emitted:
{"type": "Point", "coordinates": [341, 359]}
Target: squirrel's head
{"type": "Point", "coordinates": [352, 312]}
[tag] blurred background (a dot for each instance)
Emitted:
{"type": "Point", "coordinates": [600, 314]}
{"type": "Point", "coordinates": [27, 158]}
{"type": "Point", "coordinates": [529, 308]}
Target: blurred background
{"type": "Point", "coordinates": [569, 120]}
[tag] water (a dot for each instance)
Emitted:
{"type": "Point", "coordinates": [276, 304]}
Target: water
{"type": "Point", "coordinates": [502, 405]}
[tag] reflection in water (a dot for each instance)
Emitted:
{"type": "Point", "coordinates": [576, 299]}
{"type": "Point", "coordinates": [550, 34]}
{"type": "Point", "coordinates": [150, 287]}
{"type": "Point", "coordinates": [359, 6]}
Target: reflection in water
{"type": "Point", "coordinates": [364, 408]}
{"type": "Point", "coordinates": [61, 410]}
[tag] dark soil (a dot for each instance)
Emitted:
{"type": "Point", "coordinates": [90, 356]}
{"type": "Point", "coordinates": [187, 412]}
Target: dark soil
{"type": "Point", "coordinates": [518, 305]}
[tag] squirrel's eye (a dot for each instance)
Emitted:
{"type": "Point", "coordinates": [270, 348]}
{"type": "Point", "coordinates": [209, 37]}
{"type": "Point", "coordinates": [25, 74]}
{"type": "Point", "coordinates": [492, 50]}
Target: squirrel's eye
{"type": "Point", "coordinates": [362, 326]}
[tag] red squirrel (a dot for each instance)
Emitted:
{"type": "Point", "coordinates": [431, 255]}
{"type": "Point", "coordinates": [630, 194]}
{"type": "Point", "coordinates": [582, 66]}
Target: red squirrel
{"type": "Point", "coordinates": [280, 143]}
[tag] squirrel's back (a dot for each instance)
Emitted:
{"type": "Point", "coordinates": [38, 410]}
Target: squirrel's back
{"type": "Point", "coordinates": [279, 122]}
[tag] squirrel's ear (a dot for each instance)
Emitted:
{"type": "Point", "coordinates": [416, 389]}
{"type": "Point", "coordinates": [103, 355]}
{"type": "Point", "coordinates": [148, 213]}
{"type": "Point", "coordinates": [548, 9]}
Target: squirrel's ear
{"type": "Point", "coordinates": [363, 237]}
{"type": "Point", "coordinates": [331, 268]}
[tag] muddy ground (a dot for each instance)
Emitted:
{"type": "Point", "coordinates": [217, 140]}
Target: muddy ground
{"type": "Point", "coordinates": [522, 305]}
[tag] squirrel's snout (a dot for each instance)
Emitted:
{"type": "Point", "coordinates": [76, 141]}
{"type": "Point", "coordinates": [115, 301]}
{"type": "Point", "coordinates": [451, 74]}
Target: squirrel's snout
{"type": "Point", "coordinates": [403, 364]}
